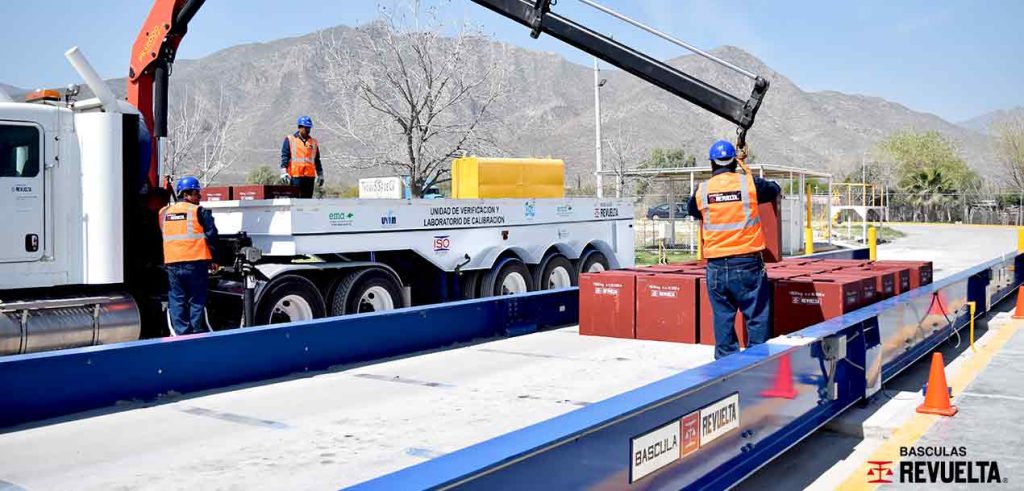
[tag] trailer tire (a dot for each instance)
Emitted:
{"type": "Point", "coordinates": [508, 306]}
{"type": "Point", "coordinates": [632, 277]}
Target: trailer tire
{"type": "Point", "coordinates": [509, 276]}
{"type": "Point", "coordinates": [470, 285]}
{"type": "Point", "coordinates": [367, 290]}
{"type": "Point", "coordinates": [289, 298]}
{"type": "Point", "coordinates": [594, 262]}
{"type": "Point", "coordinates": [556, 271]}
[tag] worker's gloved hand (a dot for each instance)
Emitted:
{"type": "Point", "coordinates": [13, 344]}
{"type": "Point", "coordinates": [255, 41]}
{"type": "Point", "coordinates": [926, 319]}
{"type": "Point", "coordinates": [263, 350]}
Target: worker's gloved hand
{"type": "Point", "coordinates": [285, 178]}
{"type": "Point", "coordinates": [320, 180]}
{"type": "Point", "coordinates": [214, 267]}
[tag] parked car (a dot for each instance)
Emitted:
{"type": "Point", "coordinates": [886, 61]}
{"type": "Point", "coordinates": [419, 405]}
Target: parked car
{"type": "Point", "coordinates": [662, 211]}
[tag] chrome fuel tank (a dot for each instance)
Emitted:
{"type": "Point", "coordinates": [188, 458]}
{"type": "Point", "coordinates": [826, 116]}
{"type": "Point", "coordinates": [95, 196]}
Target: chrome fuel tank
{"type": "Point", "coordinates": [28, 326]}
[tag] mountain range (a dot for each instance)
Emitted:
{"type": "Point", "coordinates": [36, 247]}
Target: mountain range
{"type": "Point", "coordinates": [983, 123]}
{"type": "Point", "coordinates": [550, 111]}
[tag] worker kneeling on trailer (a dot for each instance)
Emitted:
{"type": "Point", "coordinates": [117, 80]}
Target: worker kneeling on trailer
{"type": "Point", "coordinates": [726, 206]}
{"type": "Point", "coordinates": [300, 159]}
{"type": "Point", "coordinates": [189, 234]}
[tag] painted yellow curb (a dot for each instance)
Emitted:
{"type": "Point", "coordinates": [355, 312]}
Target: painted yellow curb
{"type": "Point", "coordinates": [917, 425]}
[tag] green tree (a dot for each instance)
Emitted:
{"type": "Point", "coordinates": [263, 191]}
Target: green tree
{"type": "Point", "coordinates": [929, 172]}
{"type": "Point", "coordinates": [665, 158]}
{"type": "Point", "coordinates": [338, 191]}
{"type": "Point", "coordinates": [913, 152]}
{"type": "Point", "coordinates": [263, 174]}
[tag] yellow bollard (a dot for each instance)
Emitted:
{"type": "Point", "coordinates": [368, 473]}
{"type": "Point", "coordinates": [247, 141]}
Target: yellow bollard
{"type": "Point", "coordinates": [1020, 240]}
{"type": "Point", "coordinates": [808, 241]}
{"type": "Point", "coordinates": [700, 243]}
{"type": "Point", "coordinates": [872, 244]}
{"type": "Point", "coordinates": [973, 307]}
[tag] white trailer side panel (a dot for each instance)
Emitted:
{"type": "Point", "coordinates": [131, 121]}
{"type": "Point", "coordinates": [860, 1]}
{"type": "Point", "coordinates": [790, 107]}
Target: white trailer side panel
{"type": "Point", "coordinates": [442, 231]}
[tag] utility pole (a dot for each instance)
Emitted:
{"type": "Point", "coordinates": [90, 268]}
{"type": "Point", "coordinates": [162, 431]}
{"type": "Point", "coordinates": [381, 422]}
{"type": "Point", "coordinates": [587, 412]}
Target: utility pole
{"type": "Point", "coordinates": [598, 83]}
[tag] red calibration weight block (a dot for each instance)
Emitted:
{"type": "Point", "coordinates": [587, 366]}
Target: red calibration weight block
{"type": "Point", "coordinates": [920, 271]}
{"type": "Point", "coordinates": [261, 191]}
{"type": "Point", "coordinates": [706, 326]}
{"type": "Point", "coordinates": [666, 307]}
{"type": "Point", "coordinates": [805, 301]}
{"type": "Point", "coordinates": [608, 304]}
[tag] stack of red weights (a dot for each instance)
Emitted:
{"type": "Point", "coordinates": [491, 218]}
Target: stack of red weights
{"type": "Point", "coordinates": [669, 302]}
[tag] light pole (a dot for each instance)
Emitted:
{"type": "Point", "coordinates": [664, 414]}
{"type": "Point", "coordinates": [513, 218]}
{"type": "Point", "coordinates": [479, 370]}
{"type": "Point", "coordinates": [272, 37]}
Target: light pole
{"type": "Point", "coordinates": [598, 83]}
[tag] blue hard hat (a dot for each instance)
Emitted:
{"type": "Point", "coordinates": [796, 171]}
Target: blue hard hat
{"type": "Point", "coordinates": [722, 149]}
{"type": "Point", "coordinates": [187, 183]}
{"type": "Point", "coordinates": [305, 121]}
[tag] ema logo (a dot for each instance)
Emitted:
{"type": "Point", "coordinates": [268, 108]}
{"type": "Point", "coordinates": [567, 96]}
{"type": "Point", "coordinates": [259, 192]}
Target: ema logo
{"type": "Point", "coordinates": [945, 471]}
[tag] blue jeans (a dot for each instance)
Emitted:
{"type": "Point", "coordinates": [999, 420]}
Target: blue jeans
{"type": "Point", "coordinates": [186, 298]}
{"type": "Point", "coordinates": [738, 283]}
{"type": "Point", "coordinates": [306, 186]}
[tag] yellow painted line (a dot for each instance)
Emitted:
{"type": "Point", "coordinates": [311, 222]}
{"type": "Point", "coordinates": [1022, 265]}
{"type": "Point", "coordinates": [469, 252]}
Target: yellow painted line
{"type": "Point", "coordinates": [918, 424]}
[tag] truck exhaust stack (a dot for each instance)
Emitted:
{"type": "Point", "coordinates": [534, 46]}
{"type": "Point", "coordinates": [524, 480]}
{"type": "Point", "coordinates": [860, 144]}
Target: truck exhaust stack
{"type": "Point", "coordinates": [81, 65]}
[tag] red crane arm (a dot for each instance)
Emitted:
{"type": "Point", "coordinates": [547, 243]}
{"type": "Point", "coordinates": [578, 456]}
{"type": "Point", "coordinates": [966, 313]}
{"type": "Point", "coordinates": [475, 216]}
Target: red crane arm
{"type": "Point", "coordinates": [151, 57]}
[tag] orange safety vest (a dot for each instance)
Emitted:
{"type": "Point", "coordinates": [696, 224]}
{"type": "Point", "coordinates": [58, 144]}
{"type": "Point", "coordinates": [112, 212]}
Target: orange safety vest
{"type": "Point", "coordinates": [303, 162]}
{"type": "Point", "coordinates": [730, 222]}
{"type": "Point", "coordinates": [184, 239]}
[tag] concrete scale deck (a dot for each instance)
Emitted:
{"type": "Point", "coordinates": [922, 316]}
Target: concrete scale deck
{"type": "Point", "coordinates": [341, 427]}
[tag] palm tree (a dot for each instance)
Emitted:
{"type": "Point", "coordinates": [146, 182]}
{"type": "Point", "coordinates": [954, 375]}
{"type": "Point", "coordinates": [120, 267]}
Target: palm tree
{"type": "Point", "coordinates": [929, 189]}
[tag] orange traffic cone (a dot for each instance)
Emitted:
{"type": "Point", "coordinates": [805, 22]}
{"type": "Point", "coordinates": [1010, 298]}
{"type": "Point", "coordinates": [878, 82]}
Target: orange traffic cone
{"type": "Point", "coordinates": [1018, 313]}
{"type": "Point", "coordinates": [936, 397]}
{"type": "Point", "coordinates": [783, 386]}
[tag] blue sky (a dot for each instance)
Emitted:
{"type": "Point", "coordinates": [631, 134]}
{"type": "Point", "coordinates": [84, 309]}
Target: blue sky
{"type": "Point", "coordinates": [954, 58]}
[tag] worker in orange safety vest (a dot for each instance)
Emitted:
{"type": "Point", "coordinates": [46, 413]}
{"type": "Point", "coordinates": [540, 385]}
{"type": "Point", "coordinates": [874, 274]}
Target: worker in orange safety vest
{"type": "Point", "coordinates": [726, 206]}
{"type": "Point", "coordinates": [189, 233]}
{"type": "Point", "coordinates": [300, 159]}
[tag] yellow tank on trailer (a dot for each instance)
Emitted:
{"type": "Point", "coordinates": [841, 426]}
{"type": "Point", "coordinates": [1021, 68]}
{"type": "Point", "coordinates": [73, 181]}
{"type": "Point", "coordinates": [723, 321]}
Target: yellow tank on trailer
{"type": "Point", "coordinates": [478, 177]}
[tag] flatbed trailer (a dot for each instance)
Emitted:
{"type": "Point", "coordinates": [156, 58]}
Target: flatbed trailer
{"type": "Point", "coordinates": [336, 257]}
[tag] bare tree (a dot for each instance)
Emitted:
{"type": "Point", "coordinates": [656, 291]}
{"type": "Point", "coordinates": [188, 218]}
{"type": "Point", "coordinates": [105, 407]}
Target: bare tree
{"type": "Point", "coordinates": [205, 135]}
{"type": "Point", "coordinates": [625, 153]}
{"type": "Point", "coordinates": [1009, 139]}
{"type": "Point", "coordinates": [409, 97]}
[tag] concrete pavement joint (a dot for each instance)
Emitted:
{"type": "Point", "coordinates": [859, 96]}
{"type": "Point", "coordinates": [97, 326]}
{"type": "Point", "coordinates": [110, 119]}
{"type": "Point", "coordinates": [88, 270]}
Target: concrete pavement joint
{"type": "Point", "coordinates": [234, 418]}
{"type": "Point", "coordinates": [400, 380]}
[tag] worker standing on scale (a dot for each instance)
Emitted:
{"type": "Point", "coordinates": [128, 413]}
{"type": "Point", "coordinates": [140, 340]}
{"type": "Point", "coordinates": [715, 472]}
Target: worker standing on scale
{"type": "Point", "coordinates": [300, 159]}
{"type": "Point", "coordinates": [726, 206]}
{"type": "Point", "coordinates": [189, 234]}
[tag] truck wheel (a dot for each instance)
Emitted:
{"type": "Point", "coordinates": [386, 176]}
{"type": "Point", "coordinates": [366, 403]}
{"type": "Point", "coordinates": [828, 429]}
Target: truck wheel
{"type": "Point", "coordinates": [470, 284]}
{"type": "Point", "coordinates": [368, 290]}
{"type": "Point", "coordinates": [556, 272]}
{"type": "Point", "coordinates": [289, 298]}
{"type": "Point", "coordinates": [508, 277]}
{"type": "Point", "coordinates": [594, 262]}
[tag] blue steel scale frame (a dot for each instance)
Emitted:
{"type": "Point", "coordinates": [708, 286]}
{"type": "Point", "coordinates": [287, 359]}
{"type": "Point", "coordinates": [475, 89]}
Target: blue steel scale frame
{"type": "Point", "coordinates": [587, 448]}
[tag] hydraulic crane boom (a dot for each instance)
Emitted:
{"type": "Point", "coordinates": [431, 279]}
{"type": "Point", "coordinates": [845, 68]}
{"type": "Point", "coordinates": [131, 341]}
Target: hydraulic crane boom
{"type": "Point", "coordinates": [150, 67]}
{"type": "Point", "coordinates": [157, 44]}
{"type": "Point", "coordinates": [538, 17]}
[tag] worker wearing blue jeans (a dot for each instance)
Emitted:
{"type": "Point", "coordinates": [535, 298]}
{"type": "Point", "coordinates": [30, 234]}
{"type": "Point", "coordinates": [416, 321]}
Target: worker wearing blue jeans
{"type": "Point", "coordinates": [189, 234]}
{"type": "Point", "coordinates": [733, 243]}
{"type": "Point", "coordinates": [186, 298]}
{"type": "Point", "coordinates": [738, 283]}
